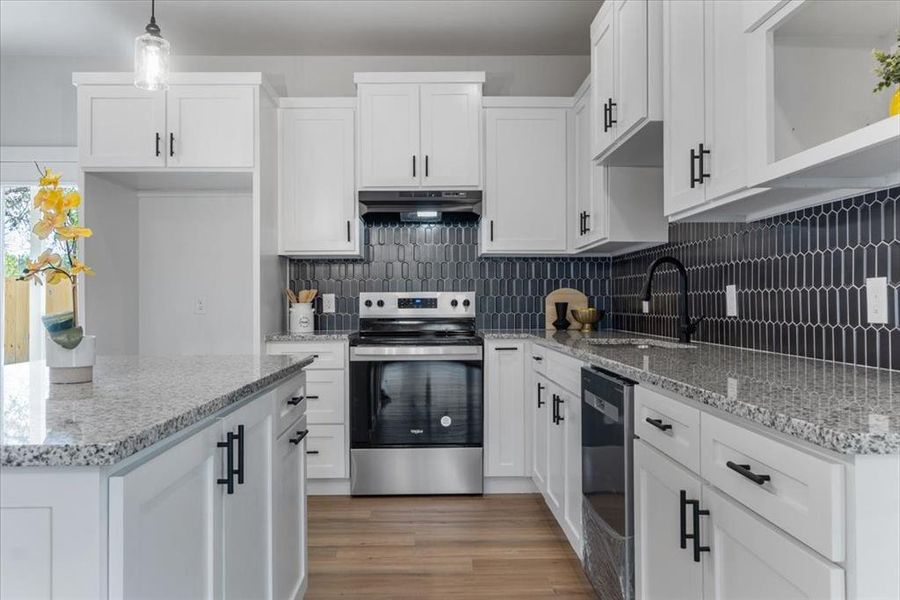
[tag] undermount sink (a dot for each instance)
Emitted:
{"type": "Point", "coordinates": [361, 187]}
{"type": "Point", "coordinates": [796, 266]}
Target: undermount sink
{"type": "Point", "coordinates": [639, 343]}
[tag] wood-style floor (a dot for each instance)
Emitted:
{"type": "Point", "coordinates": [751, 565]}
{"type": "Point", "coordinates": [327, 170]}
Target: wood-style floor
{"type": "Point", "coordinates": [404, 548]}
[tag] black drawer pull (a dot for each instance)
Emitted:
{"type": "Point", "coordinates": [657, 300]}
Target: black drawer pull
{"type": "Point", "coordinates": [299, 438]}
{"type": "Point", "coordinates": [505, 348]}
{"type": "Point", "coordinates": [295, 400]}
{"type": "Point", "coordinates": [239, 471]}
{"type": "Point", "coordinates": [311, 397]}
{"type": "Point", "coordinates": [659, 424]}
{"type": "Point", "coordinates": [745, 471]}
{"type": "Point", "coordinates": [538, 358]}
{"type": "Point", "coordinates": [540, 401]}
{"type": "Point", "coordinates": [157, 143]}
{"type": "Point", "coordinates": [684, 535]}
{"type": "Point", "coordinates": [171, 144]}
{"type": "Point", "coordinates": [312, 451]}
{"type": "Point", "coordinates": [229, 462]}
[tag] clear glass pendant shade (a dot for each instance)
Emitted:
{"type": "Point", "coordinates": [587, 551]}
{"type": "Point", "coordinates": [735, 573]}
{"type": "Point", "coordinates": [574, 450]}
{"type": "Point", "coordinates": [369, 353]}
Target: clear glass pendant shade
{"type": "Point", "coordinates": [151, 62]}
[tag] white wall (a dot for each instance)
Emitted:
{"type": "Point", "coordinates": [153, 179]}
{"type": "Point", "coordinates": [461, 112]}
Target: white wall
{"type": "Point", "coordinates": [111, 299]}
{"type": "Point", "coordinates": [195, 246]}
{"type": "Point", "coordinates": [37, 100]}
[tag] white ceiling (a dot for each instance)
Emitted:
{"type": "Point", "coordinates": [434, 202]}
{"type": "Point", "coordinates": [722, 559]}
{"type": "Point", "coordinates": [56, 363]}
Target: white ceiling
{"type": "Point", "coordinates": [300, 27]}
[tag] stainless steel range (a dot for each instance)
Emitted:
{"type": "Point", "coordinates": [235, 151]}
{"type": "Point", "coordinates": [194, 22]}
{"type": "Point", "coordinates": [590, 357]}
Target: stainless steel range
{"type": "Point", "coordinates": [416, 395]}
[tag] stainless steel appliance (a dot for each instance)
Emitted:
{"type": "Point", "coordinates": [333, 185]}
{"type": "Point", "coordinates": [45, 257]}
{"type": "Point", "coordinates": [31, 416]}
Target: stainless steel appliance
{"type": "Point", "coordinates": [416, 395]}
{"type": "Point", "coordinates": [420, 205]}
{"type": "Point", "coordinates": [607, 443]}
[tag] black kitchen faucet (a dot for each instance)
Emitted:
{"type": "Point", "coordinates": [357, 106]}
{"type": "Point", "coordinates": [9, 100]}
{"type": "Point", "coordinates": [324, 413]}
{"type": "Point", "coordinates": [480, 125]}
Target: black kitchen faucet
{"type": "Point", "coordinates": [687, 327]}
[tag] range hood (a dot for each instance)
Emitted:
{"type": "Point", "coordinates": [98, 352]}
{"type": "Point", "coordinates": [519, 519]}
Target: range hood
{"type": "Point", "coordinates": [420, 205]}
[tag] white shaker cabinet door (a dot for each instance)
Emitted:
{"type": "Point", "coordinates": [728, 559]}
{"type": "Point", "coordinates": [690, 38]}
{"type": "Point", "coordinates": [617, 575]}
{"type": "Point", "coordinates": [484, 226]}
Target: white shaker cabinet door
{"type": "Point", "coordinates": [211, 126]}
{"type": "Point", "coordinates": [556, 456]}
{"type": "Point", "coordinates": [526, 181]}
{"type": "Point", "coordinates": [505, 410]}
{"type": "Point", "coordinates": [318, 191]}
{"type": "Point", "coordinates": [540, 424]}
{"type": "Point", "coordinates": [603, 61]}
{"type": "Point", "coordinates": [451, 144]}
{"type": "Point", "coordinates": [247, 513]}
{"type": "Point", "coordinates": [749, 558]}
{"type": "Point", "coordinates": [683, 103]}
{"type": "Point", "coordinates": [290, 562]}
{"type": "Point", "coordinates": [570, 412]}
{"type": "Point", "coordinates": [121, 126]}
{"type": "Point", "coordinates": [389, 136]}
{"type": "Point", "coordinates": [663, 569]}
{"type": "Point", "coordinates": [631, 66]}
{"type": "Point", "coordinates": [164, 529]}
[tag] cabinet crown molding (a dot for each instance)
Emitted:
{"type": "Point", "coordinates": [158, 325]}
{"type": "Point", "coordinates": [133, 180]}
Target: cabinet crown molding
{"type": "Point", "coordinates": [184, 78]}
{"type": "Point", "coordinates": [420, 77]}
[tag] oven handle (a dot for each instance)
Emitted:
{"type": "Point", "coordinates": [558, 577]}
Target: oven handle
{"type": "Point", "coordinates": [382, 353]}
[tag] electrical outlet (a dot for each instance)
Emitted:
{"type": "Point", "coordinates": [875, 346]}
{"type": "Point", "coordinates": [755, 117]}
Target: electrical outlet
{"type": "Point", "coordinates": [731, 301]}
{"type": "Point", "coordinates": [200, 306]}
{"type": "Point", "coordinates": [876, 300]}
{"type": "Point", "coordinates": [328, 303]}
{"type": "Point", "coordinates": [645, 306]}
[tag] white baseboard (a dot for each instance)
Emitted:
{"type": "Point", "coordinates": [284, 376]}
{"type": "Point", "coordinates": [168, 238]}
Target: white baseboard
{"type": "Point", "coordinates": [327, 487]}
{"type": "Point", "coordinates": [509, 485]}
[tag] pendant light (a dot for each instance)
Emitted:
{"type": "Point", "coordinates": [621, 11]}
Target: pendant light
{"type": "Point", "coordinates": [151, 56]}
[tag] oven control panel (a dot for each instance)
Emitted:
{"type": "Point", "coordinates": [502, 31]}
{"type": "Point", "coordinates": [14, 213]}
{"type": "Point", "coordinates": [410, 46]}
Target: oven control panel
{"type": "Point", "coordinates": [422, 304]}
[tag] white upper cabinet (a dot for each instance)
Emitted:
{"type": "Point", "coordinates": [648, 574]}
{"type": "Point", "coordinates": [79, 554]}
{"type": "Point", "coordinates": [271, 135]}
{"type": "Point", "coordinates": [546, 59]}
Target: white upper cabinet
{"type": "Point", "coordinates": [317, 190]}
{"type": "Point", "coordinates": [419, 130]}
{"type": "Point", "coordinates": [626, 63]}
{"type": "Point", "coordinates": [210, 126]}
{"type": "Point", "coordinates": [204, 121]}
{"type": "Point", "coordinates": [526, 181]}
{"type": "Point", "coordinates": [121, 126]}
{"type": "Point", "coordinates": [816, 121]}
{"type": "Point", "coordinates": [389, 135]}
{"type": "Point", "coordinates": [451, 140]}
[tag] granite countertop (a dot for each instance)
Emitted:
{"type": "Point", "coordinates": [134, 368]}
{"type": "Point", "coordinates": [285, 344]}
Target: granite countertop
{"type": "Point", "coordinates": [316, 336]}
{"type": "Point", "coordinates": [848, 409]}
{"type": "Point", "coordinates": [133, 402]}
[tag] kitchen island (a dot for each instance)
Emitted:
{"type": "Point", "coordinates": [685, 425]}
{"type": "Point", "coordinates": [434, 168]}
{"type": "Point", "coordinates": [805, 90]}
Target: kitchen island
{"type": "Point", "coordinates": [165, 476]}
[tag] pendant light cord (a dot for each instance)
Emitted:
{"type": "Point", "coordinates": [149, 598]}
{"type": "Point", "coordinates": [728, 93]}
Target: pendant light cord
{"type": "Point", "coordinates": [152, 28]}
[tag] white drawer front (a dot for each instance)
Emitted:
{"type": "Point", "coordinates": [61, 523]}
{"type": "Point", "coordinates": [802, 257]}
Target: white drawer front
{"type": "Point", "coordinates": [326, 452]}
{"type": "Point", "coordinates": [564, 370]}
{"type": "Point", "coordinates": [537, 359]}
{"type": "Point", "coordinates": [677, 426]}
{"type": "Point", "coordinates": [329, 355]}
{"type": "Point", "coordinates": [804, 493]}
{"type": "Point", "coordinates": [325, 396]}
{"type": "Point", "coordinates": [290, 405]}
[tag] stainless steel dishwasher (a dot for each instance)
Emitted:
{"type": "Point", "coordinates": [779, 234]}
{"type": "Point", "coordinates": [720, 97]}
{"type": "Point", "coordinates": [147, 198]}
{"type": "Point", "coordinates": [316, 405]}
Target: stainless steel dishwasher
{"type": "Point", "coordinates": [607, 444]}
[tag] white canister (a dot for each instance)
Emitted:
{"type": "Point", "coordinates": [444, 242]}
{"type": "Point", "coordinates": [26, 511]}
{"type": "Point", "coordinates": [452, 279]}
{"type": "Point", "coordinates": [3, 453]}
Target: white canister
{"type": "Point", "coordinates": [71, 366]}
{"type": "Point", "coordinates": [301, 318]}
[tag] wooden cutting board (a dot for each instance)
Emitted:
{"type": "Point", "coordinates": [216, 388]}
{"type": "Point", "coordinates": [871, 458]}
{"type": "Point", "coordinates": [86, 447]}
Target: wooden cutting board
{"type": "Point", "coordinates": [575, 299]}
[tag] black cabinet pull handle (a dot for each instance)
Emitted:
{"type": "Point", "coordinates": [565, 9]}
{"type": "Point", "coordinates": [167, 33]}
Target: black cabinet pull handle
{"type": "Point", "coordinates": [611, 106]}
{"type": "Point", "coordinates": [171, 144]}
{"type": "Point", "coordinates": [312, 451]}
{"type": "Point", "coordinates": [492, 230]}
{"type": "Point", "coordinates": [587, 219]}
{"type": "Point", "coordinates": [658, 424]}
{"type": "Point", "coordinates": [414, 165]}
{"type": "Point", "coordinates": [581, 223]}
{"type": "Point", "coordinates": [540, 401]}
{"type": "Point", "coordinates": [426, 165]}
{"type": "Point", "coordinates": [694, 179]}
{"type": "Point", "coordinates": [557, 417]}
{"type": "Point", "coordinates": [745, 471]}
{"type": "Point", "coordinates": [295, 400]}
{"type": "Point", "coordinates": [538, 358]}
{"type": "Point", "coordinates": [157, 143]}
{"type": "Point", "coordinates": [505, 348]}
{"type": "Point", "coordinates": [239, 471]}
{"type": "Point", "coordinates": [606, 117]}
{"type": "Point", "coordinates": [696, 536]}
{"type": "Point", "coordinates": [682, 517]}
{"type": "Point", "coordinates": [703, 173]}
{"type": "Point", "coordinates": [228, 480]}
{"type": "Point", "coordinates": [299, 438]}
{"type": "Point", "coordinates": [308, 397]}
{"type": "Point", "coordinates": [348, 231]}
{"type": "Point", "coordinates": [553, 397]}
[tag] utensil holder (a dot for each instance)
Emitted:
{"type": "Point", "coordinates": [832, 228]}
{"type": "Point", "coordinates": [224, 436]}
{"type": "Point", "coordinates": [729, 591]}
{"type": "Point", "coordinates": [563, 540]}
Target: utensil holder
{"type": "Point", "coordinates": [301, 318]}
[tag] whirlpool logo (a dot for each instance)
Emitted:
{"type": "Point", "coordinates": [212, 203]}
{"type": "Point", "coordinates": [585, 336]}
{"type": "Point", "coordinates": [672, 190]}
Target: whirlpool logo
{"type": "Point", "coordinates": [416, 431]}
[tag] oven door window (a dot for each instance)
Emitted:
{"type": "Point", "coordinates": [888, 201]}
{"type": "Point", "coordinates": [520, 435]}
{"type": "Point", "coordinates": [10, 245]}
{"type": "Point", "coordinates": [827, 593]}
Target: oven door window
{"type": "Point", "coordinates": [416, 403]}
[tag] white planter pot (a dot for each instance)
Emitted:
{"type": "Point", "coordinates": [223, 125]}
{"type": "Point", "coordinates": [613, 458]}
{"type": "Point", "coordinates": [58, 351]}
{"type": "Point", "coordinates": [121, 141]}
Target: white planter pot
{"type": "Point", "coordinates": [71, 366]}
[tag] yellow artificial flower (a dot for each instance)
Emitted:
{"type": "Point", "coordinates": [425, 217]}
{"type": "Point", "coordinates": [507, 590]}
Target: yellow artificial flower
{"type": "Point", "coordinates": [71, 200]}
{"type": "Point", "coordinates": [55, 276]}
{"type": "Point", "coordinates": [49, 200]}
{"type": "Point", "coordinates": [49, 178]}
{"type": "Point", "coordinates": [46, 258]}
{"type": "Point", "coordinates": [48, 223]}
{"type": "Point", "coordinates": [71, 233]}
{"type": "Point", "coordinates": [80, 267]}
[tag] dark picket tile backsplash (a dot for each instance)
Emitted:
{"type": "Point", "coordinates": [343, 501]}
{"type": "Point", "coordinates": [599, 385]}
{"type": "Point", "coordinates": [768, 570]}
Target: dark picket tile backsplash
{"type": "Point", "coordinates": [800, 281]}
{"type": "Point", "coordinates": [437, 257]}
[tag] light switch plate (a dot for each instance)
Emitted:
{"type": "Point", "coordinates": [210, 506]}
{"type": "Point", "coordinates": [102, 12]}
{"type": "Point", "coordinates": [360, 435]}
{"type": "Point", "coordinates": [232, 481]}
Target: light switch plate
{"type": "Point", "coordinates": [731, 301]}
{"type": "Point", "coordinates": [876, 300]}
{"type": "Point", "coordinates": [200, 306]}
{"type": "Point", "coordinates": [328, 303]}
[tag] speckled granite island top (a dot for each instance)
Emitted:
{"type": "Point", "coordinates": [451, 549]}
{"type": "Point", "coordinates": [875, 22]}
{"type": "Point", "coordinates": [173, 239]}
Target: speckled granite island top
{"type": "Point", "coordinates": [132, 403]}
{"type": "Point", "coordinates": [847, 409]}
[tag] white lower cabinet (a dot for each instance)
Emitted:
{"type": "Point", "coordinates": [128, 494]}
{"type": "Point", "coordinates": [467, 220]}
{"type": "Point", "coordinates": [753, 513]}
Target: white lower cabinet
{"type": "Point", "coordinates": [749, 558]}
{"type": "Point", "coordinates": [556, 457]}
{"type": "Point", "coordinates": [326, 452]}
{"type": "Point", "coordinates": [664, 562]}
{"type": "Point", "coordinates": [221, 514]}
{"type": "Point", "coordinates": [570, 413]}
{"type": "Point", "coordinates": [540, 429]}
{"type": "Point", "coordinates": [505, 411]}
